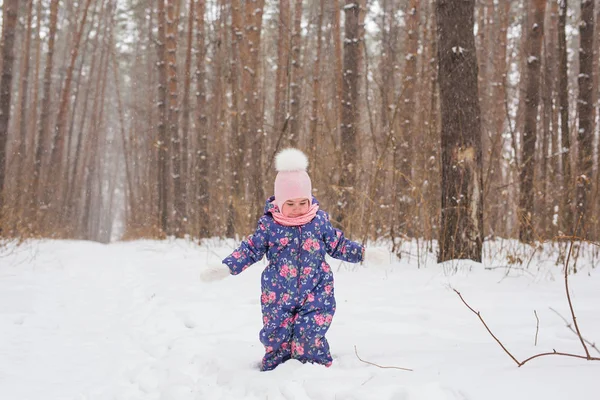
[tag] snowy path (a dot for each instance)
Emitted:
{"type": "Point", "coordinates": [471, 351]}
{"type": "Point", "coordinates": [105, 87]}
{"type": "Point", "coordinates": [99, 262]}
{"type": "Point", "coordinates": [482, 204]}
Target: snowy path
{"type": "Point", "coordinates": [132, 321]}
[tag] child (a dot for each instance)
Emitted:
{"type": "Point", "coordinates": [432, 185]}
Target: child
{"type": "Point", "coordinates": [297, 286]}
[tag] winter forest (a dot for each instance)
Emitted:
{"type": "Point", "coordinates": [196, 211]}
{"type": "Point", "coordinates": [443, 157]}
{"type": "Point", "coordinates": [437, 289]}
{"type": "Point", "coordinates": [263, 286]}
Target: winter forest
{"type": "Point", "coordinates": [450, 121]}
{"type": "Point", "coordinates": [455, 144]}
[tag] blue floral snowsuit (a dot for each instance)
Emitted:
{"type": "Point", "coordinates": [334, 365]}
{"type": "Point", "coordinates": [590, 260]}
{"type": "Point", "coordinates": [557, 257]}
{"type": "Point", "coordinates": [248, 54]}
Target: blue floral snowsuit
{"type": "Point", "coordinates": [297, 286]}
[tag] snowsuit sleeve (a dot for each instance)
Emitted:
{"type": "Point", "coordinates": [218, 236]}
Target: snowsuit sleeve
{"type": "Point", "coordinates": [252, 249]}
{"type": "Point", "coordinates": [337, 246]}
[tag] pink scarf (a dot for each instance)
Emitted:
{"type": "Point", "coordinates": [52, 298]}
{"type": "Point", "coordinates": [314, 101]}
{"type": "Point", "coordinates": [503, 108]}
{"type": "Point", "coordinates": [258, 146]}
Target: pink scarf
{"type": "Point", "coordinates": [295, 221]}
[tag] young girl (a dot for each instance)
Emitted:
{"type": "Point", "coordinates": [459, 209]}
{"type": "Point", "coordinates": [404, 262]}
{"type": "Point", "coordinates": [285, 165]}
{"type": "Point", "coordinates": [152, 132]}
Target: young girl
{"type": "Point", "coordinates": [297, 297]}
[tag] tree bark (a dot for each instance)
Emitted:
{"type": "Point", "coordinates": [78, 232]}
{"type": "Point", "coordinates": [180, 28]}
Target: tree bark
{"type": "Point", "coordinates": [535, 33]}
{"type": "Point", "coordinates": [350, 115]}
{"type": "Point", "coordinates": [566, 212]}
{"type": "Point", "coordinates": [23, 190]}
{"type": "Point", "coordinates": [11, 10]}
{"type": "Point", "coordinates": [179, 213]}
{"type": "Point", "coordinates": [43, 139]}
{"type": "Point", "coordinates": [202, 166]}
{"type": "Point", "coordinates": [54, 194]}
{"type": "Point", "coordinates": [585, 111]}
{"type": "Point", "coordinates": [316, 92]}
{"type": "Point", "coordinates": [283, 67]}
{"type": "Point", "coordinates": [185, 124]}
{"type": "Point", "coordinates": [296, 80]}
{"type": "Point", "coordinates": [162, 144]}
{"type": "Point", "coordinates": [461, 230]}
{"type": "Point", "coordinates": [404, 142]}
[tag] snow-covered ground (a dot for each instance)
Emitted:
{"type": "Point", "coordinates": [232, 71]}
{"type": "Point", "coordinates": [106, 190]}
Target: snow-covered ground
{"type": "Point", "coordinates": [81, 320]}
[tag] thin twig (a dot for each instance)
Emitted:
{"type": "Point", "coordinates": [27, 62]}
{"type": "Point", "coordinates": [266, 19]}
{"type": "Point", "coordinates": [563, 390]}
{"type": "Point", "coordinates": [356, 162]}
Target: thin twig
{"type": "Point", "coordinates": [377, 365]}
{"type": "Point", "coordinates": [587, 352]}
{"type": "Point", "coordinates": [509, 267]}
{"type": "Point", "coordinates": [568, 325]}
{"type": "Point", "coordinates": [537, 327]}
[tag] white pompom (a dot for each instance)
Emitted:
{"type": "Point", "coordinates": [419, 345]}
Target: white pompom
{"type": "Point", "coordinates": [291, 160]}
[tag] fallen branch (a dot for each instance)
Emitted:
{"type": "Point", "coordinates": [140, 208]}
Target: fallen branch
{"type": "Point", "coordinates": [554, 352]}
{"type": "Point", "coordinates": [377, 365]}
{"type": "Point", "coordinates": [521, 363]}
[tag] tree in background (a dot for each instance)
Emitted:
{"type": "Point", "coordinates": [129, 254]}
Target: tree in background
{"type": "Point", "coordinates": [535, 34]}
{"type": "Point", "coordinates": [350, 155]}
{"type": "Point", "coordinates": [362, 100]}
{"type": "Point", "coordinates": [461, 229]}
{"type": "Point", "coordinates": [11, 9]}
{"type": "Point", "coordinates": [585, 112]}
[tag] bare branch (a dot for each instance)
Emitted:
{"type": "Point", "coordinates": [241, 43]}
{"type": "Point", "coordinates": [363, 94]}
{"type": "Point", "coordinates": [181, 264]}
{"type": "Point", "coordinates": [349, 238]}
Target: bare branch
{"type": "Point", "coordinates": [568, 325]}
{"type": "Point", "coordinates": [587, 353]}
{"type": "Point", "coordinates": [521, 363]}
{"type": "Point", "coordinates": [377, 365]}
{"type": "Point", "coordinates": [486, 327]}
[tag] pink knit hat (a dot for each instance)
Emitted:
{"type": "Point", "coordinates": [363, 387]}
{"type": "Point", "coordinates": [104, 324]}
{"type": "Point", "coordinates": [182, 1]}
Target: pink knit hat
{"type": "Point", "coordinates": [292, 181]}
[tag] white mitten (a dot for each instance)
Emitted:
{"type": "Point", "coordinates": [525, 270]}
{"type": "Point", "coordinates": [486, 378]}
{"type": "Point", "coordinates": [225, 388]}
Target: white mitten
{"type": "Point", "coordinates": [377, 256]}
{"type": "Point", "coordinates": [214, 273]}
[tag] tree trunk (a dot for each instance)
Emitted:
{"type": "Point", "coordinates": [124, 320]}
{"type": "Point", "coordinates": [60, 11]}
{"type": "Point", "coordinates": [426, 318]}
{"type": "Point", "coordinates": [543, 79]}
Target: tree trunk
{"type": "Point", "coordinates": [185, 128]}
{"type": "Point", "coordinates": [532, 98]}
{"type": "Point", "coordinates": [252, 73]}
{"type": "Point", "coordinates": [11, 9]}
{"type": "Point", "coordinates": [316, 92]}
{"type": "Point", "coordinates": [23, 190]}
{"type": "Point", "coordinates": [282, 74]}
{"type": "Point", "coordinates": [43, 139]}
{"type": "Point", "coordinates": [495, 199]}
{"type": "Point", "coordinates": [585, 111]}
{"type": "Point", "coordinates": [54, 194]}
{"type": "Point", "coordinates": [339, 67]}
{"type": "Point", "coordinates": [566, 212]}
{"type": "Point", "coordinates": [404, 142]}
{"type": "Point", "coordinates": [202, 166]}
{"type": "Point", "coordinates": [125, 147]}
{"type": "Point", "coordinates": [350, 115]}
{"type": "Point", "coordinates": [179, 214]}
{"type": "Point", "coordinates": [296, 80]}
{"type": "Point", "coordinates": [461, 230]}
{"type": "Point", "coordinates": [238, 143]}
{"type": "Point", "coordinates": [162, 142]}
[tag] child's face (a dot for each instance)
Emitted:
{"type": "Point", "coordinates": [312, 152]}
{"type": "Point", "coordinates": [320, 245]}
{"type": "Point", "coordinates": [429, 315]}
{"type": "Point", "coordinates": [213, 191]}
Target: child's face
{"type": "Point", "coordinates": [295, 207]}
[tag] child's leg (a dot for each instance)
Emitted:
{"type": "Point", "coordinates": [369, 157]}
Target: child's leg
{"type": "Point", "coordinates": [276, 335]}
{"type": "Point", "coordinates": [313, 321]}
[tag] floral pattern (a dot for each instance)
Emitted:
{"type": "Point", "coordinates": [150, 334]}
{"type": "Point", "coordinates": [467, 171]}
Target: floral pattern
{"type": "Point", "coordinates": [297, 292]}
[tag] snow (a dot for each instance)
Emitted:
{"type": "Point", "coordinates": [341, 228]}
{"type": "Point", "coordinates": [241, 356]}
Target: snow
{"type": "Point", "coordinates": [132, 320]}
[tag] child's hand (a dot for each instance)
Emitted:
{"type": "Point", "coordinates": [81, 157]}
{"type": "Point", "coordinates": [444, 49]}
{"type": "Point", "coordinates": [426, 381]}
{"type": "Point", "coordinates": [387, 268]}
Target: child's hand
{"type": "Point", "coordinates": [214, 273]}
